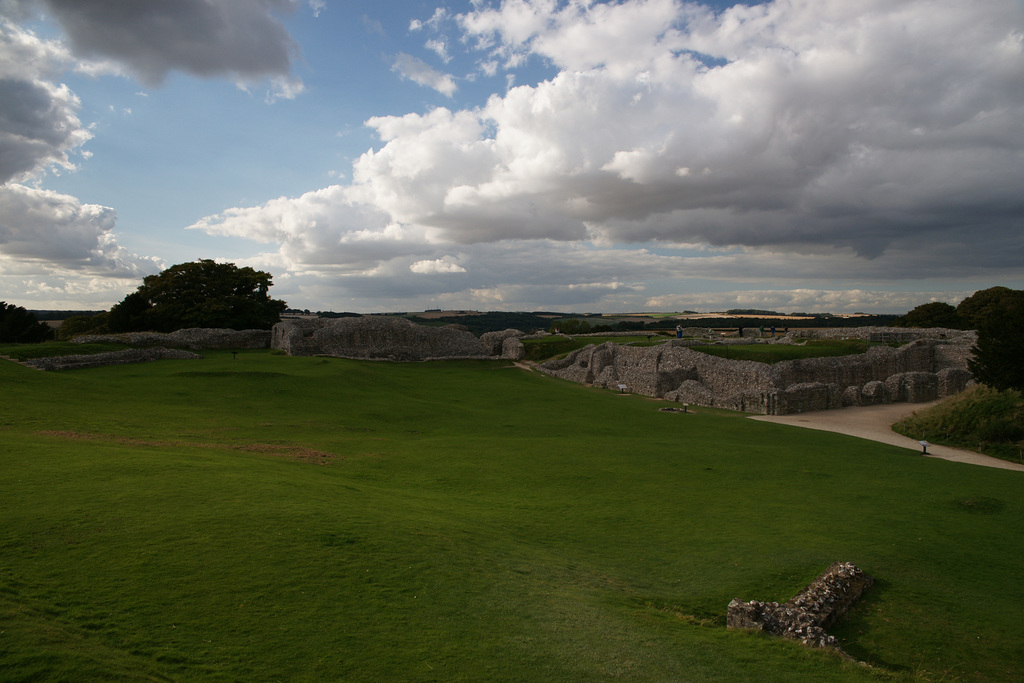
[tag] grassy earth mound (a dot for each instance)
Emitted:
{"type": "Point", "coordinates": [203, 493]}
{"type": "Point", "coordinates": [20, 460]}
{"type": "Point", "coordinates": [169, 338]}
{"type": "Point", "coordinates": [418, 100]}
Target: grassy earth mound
{"type": "Point", "coordinates": [980, 419]}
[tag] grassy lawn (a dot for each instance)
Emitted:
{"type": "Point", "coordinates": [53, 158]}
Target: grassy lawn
{"type": "Point", "coordinates": [556, 345]}
{"type": "Point", "coordinates": [47, 349]}
{"type": "Point", "coordinates": [773, 353]}
{"type": "Point", "coordinates": [274, 518]}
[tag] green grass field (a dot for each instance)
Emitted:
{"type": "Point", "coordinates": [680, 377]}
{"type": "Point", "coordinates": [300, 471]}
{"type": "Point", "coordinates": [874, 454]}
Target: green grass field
{"type": "Point", "coordinates": [545, 348]}
{"type": "Point", "coordinates": [774, 353]}
{"type": "Point", "coordinates": [276, 518]}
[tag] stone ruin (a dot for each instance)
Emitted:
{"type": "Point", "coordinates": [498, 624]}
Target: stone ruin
{"type": "Point", "coordinates": [376, 338]}
{"type": "Point", "coordinates": [922, 370]}
{"type": "Point", "coordinates": [368, 337]}
{"type": "Point", "coordinates": [194, 338]}
{"type": "Point", "coordinates": [806, 616]}
{"type": "Point", "coordinates": [124, 357]}
{"type": "Point", "coordinates": [505, 344]}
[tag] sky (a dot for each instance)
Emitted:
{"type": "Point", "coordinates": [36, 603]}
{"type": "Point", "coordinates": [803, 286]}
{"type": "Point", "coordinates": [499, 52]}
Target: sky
{"type": "Point", "coordinates": [518, 155]}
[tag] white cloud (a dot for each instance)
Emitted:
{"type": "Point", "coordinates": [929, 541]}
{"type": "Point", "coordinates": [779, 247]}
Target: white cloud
{"type": "Point", "coordinates": [39, 126]}
{"type": "Point", "coordinates": [421, 73]}
{"type": "Point", "coordinates": [47, 227]}
{"type": "Point", "coordinates": [317, 6]}
{"type": "Point", "coordinates": [802, 142]}
{"type": "Point", "coordinates": [435, 266]}
{"type": "Point", "coordinates": [440, 47]}
{"type": "Point", "coordinates": [835, 123]}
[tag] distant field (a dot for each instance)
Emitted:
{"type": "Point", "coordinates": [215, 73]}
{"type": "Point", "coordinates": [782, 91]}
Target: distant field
{"type": "Point", "coordinates": [274, 518]}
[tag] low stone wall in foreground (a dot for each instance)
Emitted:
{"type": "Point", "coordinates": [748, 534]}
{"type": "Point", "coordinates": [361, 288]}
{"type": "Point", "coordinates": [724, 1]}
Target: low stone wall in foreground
{"type": "Point", "coordinates": [806, 616]}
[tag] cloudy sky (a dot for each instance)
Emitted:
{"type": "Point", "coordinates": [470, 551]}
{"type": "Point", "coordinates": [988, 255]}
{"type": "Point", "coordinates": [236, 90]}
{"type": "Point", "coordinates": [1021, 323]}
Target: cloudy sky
{"type": "Point", "coordinates": [627, 155]}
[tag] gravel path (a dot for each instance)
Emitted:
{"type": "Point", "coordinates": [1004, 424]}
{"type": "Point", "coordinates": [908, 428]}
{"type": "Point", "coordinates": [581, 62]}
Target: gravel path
{"type": "Point", "coordinates": [875, 423]}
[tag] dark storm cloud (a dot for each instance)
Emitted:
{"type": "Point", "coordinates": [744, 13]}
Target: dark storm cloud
{"type": "Point", "coordinates": [242, 38]}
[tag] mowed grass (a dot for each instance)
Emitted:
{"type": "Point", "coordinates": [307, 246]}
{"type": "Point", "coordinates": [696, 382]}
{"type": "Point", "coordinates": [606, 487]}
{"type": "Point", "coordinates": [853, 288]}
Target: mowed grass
{"type": "Point", "coordinates": [556, 345]}
{"type": "Point", "coordinates": [275, 518]}
{"type": "Point", "coordinates": [774, 353]}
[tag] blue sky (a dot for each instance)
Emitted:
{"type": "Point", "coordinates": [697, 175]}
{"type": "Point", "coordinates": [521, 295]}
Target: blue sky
{"type": "Point", "coordinates": [797, 155]}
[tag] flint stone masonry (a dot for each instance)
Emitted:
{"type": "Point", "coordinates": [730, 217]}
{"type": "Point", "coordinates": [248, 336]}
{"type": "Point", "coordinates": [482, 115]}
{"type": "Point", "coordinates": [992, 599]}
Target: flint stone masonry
{"type": "Point", "coordinates": [195, 338]}
{"type": "Point", "coordinates": [880, 334]}
{"type": "Point", "coordinates": [806, 616]}
{"type": "Point", "coordinates": [513, 349]}
{"type": "Point", "coordinates": [125, 357]}
{"type": "Point", "coordinates": [375, 337]}
{"type": "Point", "coordinates": [923, 370]}
{"type": "Point", "coordinates": [506, 344]}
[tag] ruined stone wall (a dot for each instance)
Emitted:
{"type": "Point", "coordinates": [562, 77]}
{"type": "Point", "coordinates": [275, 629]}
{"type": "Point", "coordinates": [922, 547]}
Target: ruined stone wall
{"type": "Point", "coordinates": [124, 357]}
{"type": "Point", "coordinates": [376, 337]}
{"type": "Point", "coordinates": [195, 338]}
{"type": "Point", "coordinates": [661, 371]}
{"type": "Point", "coordinates": [806, 616]}
{"type": "Point", "coordinates": [921, 371]}
{"type": "Point", "coordinates": [875, 333]}
{"type": "Point", "coordinates": [505, 344]}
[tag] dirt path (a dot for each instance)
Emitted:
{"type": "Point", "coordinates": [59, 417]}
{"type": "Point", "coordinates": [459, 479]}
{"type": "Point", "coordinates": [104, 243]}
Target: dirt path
{"type": "Point", "coordinates": [875, 423]}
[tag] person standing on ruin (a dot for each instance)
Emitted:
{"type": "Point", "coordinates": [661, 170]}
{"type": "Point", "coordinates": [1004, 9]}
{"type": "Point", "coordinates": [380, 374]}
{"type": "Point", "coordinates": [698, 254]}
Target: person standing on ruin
{"type": "Point", "coordinates": [679, 331]}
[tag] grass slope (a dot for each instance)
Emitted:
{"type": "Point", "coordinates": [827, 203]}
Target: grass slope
{"type": "Point", "coordinates": [981, 419]}
{"type": "Point", "coordinates": [320, 519]}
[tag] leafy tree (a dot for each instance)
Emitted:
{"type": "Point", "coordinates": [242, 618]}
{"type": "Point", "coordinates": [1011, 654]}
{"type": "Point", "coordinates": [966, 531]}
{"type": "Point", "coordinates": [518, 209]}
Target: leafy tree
{"type": "Point", "coordinates": [934, 314]}
{"type": "Point", "coordinates": [999, 355]}
{"type": "Point", "coordinates": [83, 324]}
{"type": "Point", "coordinates": [199, 294]}
{"type": "Point", "coordinates": [571, 326]}
{"type": "Point", "coordinates": [19, 326]}
{"type": "Point", "coordinates": [977, 309]}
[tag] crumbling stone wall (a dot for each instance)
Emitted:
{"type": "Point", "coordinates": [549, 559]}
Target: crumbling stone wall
{"type": "Point", "coordinates": [879, 333]}
{"type": "Point", "coordinates": [124, 357]}
{"type": "Point", "coordinates": [505, 344]}
{"type": "Point", "coordinates": [923, 370]}
{"type": "Point", "coordinates": [195, 338]}
{"type": "Point", "coordinates": [376, 337]}
{"type": "Point", "coordinates": [806, 616]}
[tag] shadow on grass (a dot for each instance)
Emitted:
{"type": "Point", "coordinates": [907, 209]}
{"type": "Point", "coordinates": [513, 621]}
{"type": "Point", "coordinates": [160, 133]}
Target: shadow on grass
{"type": "Point", "coordinates": [856, 623]}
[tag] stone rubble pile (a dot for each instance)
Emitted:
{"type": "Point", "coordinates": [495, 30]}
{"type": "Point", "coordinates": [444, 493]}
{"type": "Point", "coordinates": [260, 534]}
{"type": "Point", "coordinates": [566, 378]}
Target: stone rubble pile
{"type": "Point", "coordinates": [806, 616]}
